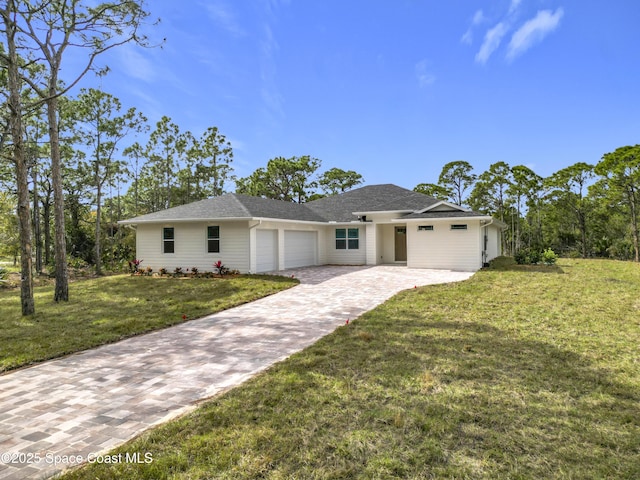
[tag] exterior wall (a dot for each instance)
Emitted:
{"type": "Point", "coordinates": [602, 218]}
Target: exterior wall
{"type": "Point", "coordinates": [387, 250]}
{"type": "Point", "coordinates": [191, 246]}
{"type": "Point", "coordinates": [445, 248]}
{"type": "Point", "coordinates": [371, 252]}
{"type": "Point", "coordinates": [346, 257]}
{"type": "Point", "coordinates": [494, 235]}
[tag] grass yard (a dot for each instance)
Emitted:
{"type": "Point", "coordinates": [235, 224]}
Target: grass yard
{"type": "Point", "coordinates": [108, 309]}
{"type": "Point", "coordinates": [519, 373]}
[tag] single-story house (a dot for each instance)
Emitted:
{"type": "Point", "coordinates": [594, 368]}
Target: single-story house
{"type": "Point", "coordinates": [371, 225]}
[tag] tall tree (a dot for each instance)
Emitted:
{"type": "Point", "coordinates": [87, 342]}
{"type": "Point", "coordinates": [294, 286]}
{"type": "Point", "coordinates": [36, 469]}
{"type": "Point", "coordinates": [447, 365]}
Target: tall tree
{"type": "Point", "coordinates": [434, 190]}
{"type": "Point", "coordinates": [216, 149]}
{"type": "Point", "coordinates": [336, 180]}
{"type": "Point", "coordinates": [489, 194]}
{"type": "Point", "coordinates": [621, 172]}
{"type": "Point", "coordinates": [14, 86]}
{"type": "Point", "coordinates": [289, 179]}
{"type": "Point", "coordinates": [163, 149]}
{"type": "Point", "coordinates": [520, 190]}
{"type": "Point", "coordinates": [569, 189]}
{"type": "Point", "coordinates": [50, 27]}
{"type": "Point", "coordinates": [457, 177]}
{"type": "Point", "coordinates": [101, 128]}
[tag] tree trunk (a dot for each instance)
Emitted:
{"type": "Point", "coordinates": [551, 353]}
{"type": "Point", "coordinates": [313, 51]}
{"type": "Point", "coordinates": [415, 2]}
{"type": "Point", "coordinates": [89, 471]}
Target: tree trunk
{"type": "Point", "coordinates": [583, 232]}
{"type": "Point", "coordinates": [98, 229]}
{"type": "Point", "coordinates": [36, 220]}
{"type": "Point", "coordinates": [46, 216]}
{"type": "Point", "coordinates": [61, 292]}
{"type": "Point", "coordinates": [22, 172]}
{"type": "Point", "coordinates": [634, 225]}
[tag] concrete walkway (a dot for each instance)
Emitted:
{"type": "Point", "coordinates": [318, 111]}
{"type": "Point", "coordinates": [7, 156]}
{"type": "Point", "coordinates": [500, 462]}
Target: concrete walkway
{"type": "Point", "coordinates": [77, 407]}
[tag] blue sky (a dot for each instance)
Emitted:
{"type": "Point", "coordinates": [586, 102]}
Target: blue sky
{"type": "Point", "coordinates": [393, 89]}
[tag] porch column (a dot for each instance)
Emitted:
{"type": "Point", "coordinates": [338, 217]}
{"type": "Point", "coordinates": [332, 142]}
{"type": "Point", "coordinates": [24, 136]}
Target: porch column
{"type": "Point", "coordinates": [370, 242]}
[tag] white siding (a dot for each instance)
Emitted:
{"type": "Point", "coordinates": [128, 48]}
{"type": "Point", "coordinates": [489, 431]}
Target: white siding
{"type": "Point", "coordinates": [266, 250]}
{"type": "Point", "coordinates": [191, 246]}
{"type": "Point", "coordinates": [371, 237]}
{"type": "Point", "coordinates": [345, 256]}
{"type": "Point", "coordinates": [494, 242]}
{"type": "Point", "coordinates": [445, 248]}
{"type": "Point", "coordinates": [388, 243]}
{"type": "Point", "coordinates": [300, 248]}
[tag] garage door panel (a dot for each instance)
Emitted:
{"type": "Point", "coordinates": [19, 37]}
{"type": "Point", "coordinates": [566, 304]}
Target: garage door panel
{"type": "Point", "coordinates": [266, 250]}
{"type": "Point", "coordinates": [299, 248]}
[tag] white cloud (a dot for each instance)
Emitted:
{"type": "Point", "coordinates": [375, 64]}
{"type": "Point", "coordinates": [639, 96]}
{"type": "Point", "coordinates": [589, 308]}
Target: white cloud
{"type": "Point", "coordinates": [467, 38]}
{"type": "Point", "coordinates": [424, 76]}
{"type": "Point", "coordinates": [514, 5]}
{"type": "Point", "coordinates": [224, 17]}
{"type": "Point", "coordinates": [492, 40]}
{"type": "Point", "coordinates": [135, 64]}
{"type": "Point", "coordinates": [533, 31]}
{"type": "Point", "coordinates": [478, 18]}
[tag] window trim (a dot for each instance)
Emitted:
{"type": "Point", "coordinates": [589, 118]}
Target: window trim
{"type": "Point", "coordinates": [168, 241]}
{"type": "Point", "coordinates": [213, 238]}
{"type": "Point", "coordinates": [347, 238]}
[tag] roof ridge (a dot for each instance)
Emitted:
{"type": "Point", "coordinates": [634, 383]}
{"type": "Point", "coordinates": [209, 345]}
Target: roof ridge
{"type": "Point", "coordinates": [236, 197]}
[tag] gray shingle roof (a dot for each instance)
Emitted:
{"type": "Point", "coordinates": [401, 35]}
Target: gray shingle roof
{"type": "Point", "coordinates": [372, 198]}
{"type": "Point", "coordinates": [232, 205]}
{"type": "Point", "coordinates": [337, 208]}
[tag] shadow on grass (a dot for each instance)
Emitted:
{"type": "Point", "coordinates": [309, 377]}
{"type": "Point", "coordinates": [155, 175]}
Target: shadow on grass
{"type": "Point", "coordinates": [409, 399]}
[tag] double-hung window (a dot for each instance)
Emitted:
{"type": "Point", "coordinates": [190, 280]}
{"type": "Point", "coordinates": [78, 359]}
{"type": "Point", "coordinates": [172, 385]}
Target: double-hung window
{"type": "Point", "coordinates": [213, 239]}
{"type": "Point", "coordinates": [347, 238]}
{"type": "Point", "coordinates": [168, 240]}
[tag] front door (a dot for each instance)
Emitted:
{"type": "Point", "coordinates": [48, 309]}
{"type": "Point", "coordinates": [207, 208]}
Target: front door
{"type": "Point", "coordinates": [401, 244]}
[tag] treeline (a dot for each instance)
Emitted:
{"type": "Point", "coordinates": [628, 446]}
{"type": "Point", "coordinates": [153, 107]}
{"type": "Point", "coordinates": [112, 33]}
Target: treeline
{"type": "Point", "coordinates": [582, 210]}
{"type": "Point", "coordinates": [72, 167]}
{"type": "Point", "coordinates": [108, 174]}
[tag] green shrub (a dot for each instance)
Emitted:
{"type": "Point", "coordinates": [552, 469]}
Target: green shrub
{"type": "Point", "coordinates": [521, 257]}
{"type": "Point", "coordinates": [535, 256]}
{"type": "Point", "coordinates": [549, 257]}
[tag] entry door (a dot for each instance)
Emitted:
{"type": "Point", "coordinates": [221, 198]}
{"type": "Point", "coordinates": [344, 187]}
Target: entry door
{"type": "Point", "coordinates": [401, 244]}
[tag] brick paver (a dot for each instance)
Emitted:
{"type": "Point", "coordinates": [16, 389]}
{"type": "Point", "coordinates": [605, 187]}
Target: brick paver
{"type": "Point", "coordinates": [83, 405]}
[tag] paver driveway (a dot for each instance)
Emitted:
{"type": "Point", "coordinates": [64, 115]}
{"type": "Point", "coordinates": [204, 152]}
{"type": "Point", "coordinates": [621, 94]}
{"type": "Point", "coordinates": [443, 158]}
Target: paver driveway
{"type": "Point", "coordinates": [90, 402]}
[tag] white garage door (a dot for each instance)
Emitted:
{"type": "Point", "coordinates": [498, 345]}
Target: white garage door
{"type": "Point", "coordinates": [266, 250]}
{"type": "Point", "coordinates": [299, 249]}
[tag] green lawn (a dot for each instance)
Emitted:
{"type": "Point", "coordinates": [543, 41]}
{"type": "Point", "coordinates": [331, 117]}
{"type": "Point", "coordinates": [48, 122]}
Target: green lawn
{"type": "Point", "coordinates": [108, 309]}
{"type": "Point", "coordinates": [519, 372]}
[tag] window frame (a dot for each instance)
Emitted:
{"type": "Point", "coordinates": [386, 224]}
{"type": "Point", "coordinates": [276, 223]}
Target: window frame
{"type": "Point", "coordinates": [425, 228]}
{"type": "Point", "coordinates": [347, 238]}
{"type": "Point", "coordinates": [213, 238]}
{"type": "Point", "coordinates": [459, 226]}
{"type": "Point", "coordinates": [168, 241]}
